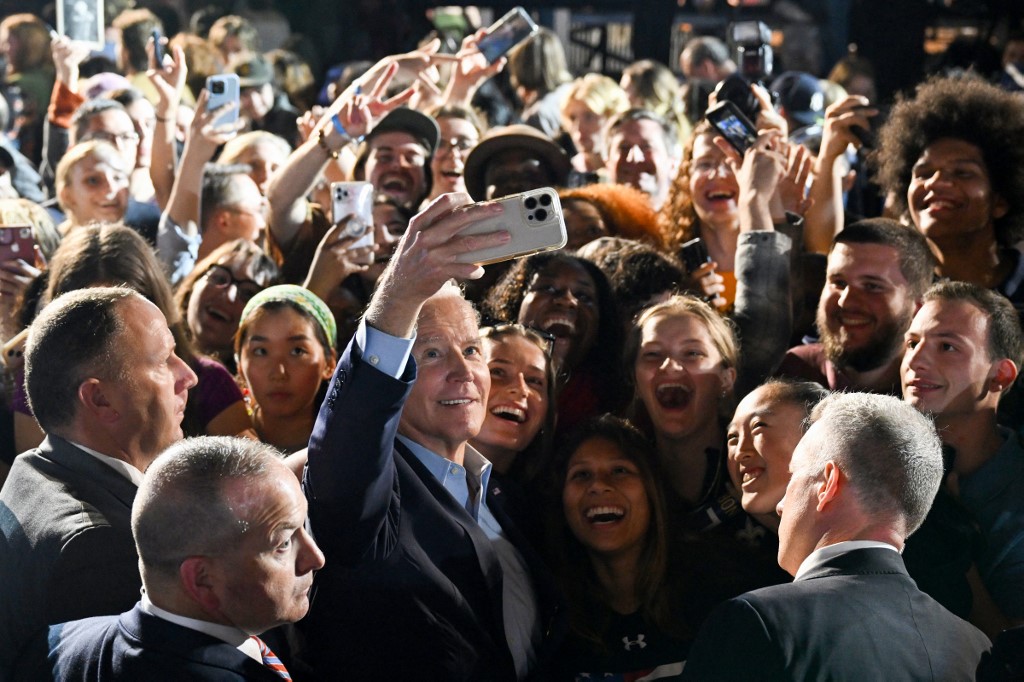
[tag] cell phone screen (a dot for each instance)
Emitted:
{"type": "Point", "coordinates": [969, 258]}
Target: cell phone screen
{"type": "Point", "coordinates": [733, 126]}
{"type": "Point", "coordinates": [506, 33]}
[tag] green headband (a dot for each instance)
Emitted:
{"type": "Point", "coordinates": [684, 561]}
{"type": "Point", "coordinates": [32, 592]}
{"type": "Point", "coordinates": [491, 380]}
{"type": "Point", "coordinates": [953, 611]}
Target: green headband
{"type": "Point", "coordinates": [300, 296]}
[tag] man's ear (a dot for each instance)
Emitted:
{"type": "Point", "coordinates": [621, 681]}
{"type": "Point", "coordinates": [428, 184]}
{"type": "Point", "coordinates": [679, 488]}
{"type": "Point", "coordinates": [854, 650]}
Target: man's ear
{"type": "Point", "coordinates": [1002, 375]}
{"type": "Point", "coordinates": [92, 395]}
{"type": "Point", "coordinates": [198, 579]}
{"type": "Point", "coordinates": [829, 487]}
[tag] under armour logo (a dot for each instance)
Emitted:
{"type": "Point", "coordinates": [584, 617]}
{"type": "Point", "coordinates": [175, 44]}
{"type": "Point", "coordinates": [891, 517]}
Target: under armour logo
{"type": "Point", "coordinates": [638, 642]}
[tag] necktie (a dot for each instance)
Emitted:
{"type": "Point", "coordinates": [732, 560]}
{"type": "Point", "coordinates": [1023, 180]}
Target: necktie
{"type": "Point", "coordinates": [271, 660]}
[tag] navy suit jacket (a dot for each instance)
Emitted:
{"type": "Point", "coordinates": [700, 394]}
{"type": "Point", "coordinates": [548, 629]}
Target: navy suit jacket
{"type": "Point", "coordinates": [412, 588]}
{"type": "Point", "coordinates": [133, 647]}
{"type": "Point", "coordinates": [857, 617]}
{"type": "Point", "coordinates": [66, 547]}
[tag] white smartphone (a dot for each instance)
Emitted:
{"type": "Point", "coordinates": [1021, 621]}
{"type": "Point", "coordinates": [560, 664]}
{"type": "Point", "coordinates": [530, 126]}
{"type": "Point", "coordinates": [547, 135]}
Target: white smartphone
{"type": "Point", "coordinates": [223, 89]}
{"type": "Point", "coordinates": [354, 199]}
{"type": "Point", "coordinates": [534, 219]}
{"type": "Point", "coordinates": [506, 33]}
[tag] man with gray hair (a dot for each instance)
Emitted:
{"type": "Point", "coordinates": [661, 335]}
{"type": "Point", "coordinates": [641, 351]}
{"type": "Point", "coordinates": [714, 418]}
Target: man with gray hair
{"type": "Point", "coordinates": [109, 392]}
{"type": "Point", "coordinates": [862, 479]}
{"type": "Point", "coordinates": [220, 528]}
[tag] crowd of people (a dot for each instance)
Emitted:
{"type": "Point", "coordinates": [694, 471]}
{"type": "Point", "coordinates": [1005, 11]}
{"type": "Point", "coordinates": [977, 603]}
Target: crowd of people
{"type": "Point", "coordinates": [758, 419]}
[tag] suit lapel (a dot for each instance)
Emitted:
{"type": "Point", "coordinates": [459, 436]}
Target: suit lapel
{"type": "Point", "coordinates": [487, 558]}
{"type": "Point", "coordinates": [85, 466]}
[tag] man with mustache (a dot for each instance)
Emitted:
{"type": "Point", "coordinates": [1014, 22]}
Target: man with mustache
{"type": "Point", "coordinates": [224, 553]}
{"type": "Point", "coordinates": [877, 272]}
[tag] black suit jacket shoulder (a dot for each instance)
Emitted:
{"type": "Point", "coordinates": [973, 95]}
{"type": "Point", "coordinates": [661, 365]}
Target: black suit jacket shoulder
{"type": "Point", "coordinates": [66, 547]}
{"type": "Point", "coordinates": [857, 617]}
{"type": "Point", "coordinates": [132, 647]}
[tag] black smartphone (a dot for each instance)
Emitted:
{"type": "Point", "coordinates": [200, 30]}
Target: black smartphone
{"type": "Point", "coordinates": [731, 124]}
{"type": "Point", "coordinates": [694, 254]}
{"type": "Point", "coordinates": [865, 135]}
{"type": "Point", "coordinates": [506, 33]}
{"type": "Point", "coordinates": [158, 49]}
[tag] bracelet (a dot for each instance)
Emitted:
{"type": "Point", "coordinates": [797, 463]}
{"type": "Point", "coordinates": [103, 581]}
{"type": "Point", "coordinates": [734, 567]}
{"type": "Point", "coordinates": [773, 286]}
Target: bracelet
{"type": "Point", "coordinates": [344, 133]}
{"type": "Point", "coordinates": [165, 119]}
{"type": "Point", "coordinates": [321, 139]}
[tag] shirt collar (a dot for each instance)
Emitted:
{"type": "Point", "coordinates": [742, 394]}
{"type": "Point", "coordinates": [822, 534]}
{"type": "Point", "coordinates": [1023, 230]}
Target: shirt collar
{"type": "Point", "coordinates": [119, 465]}
{"type": "Point", "coordinates": [823, 554]}
{"type": "Point", "coordinates": [225, 633]}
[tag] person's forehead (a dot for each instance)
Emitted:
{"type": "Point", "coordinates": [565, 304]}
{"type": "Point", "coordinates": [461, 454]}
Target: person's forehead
{"type": "Point", "coordinates": [451, 125]}
{"type": "Point", "coordinates": [102, 164]}
{"type": "Point", "coordinates": [879, 259]}
{"type": "Point", "coordinates": [111, 120]}
{"type": "Point", "coordinates": [447, 316]}
{"type": "Point", "coordinates": [639, 129]}
{"type": "Point", "coordinates": [396, 140]}
{"type": "Point", "coordinates": [961, 318]}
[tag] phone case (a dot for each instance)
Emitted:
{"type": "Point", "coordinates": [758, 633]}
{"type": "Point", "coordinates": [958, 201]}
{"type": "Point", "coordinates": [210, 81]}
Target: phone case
{"type": "Point", "coordinates": [534, 219]}
{"type": "Point", "coordinates": [223, 88]}
{"type": "Point", "coordinates": [506, 33]}
{"type": "Point", "coordinates": [730, 122]}
{"type": "Point", "coordinates": [354, 199]}
{"type": "Point", "coordinates": [16, 241]}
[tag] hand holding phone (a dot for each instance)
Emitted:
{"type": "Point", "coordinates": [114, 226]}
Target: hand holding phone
{"type": "Point", "coordinates": [506, 33]}
{"type": "Point", "coordinates": [354, 199]}
{"type": "Point", "coordinates": [17, 242]}
{"type": "Point", "coordinates": [224, 89]}
{"type": "Point", "coordinates": [533, 219]}
{"type": "Point", "coordinates": [158, 49]}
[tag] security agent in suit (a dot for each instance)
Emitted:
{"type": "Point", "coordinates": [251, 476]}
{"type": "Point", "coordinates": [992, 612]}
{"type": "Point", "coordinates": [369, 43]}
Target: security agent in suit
{"type": "Point", "coordinates": [224, 555]}
{"type": "Point", "coordinates": [425, 578]}
{"type": "Point", "coordinates": [107, 389]}
{"type": "Point", "coordinates": [862, 480]}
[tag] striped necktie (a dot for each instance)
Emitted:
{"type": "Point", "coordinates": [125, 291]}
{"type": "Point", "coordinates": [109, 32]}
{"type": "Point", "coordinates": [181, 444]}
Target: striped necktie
{"type": "Point", "coordinates": [271, 660]}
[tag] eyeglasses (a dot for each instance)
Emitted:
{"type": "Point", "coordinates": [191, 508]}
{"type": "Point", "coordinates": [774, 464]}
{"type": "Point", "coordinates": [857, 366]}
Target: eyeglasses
{"type": "Point", "coordinates": [112, 138]}
{"type": "Point", "coordinates": [220, 277]}
{"type": "Point", "coordinates": [455, 144]}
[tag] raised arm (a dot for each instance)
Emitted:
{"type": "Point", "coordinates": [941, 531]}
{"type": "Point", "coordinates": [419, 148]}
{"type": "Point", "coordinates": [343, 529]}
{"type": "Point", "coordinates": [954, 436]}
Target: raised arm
{"type": "Point", "coordinates": [825, 216]}
{"type": "Point", "coordinates": [350, 476]}
{"type": "Point", "coordinates": [169, 80]}
{"type": "Point", "coordinates": [348, 119]}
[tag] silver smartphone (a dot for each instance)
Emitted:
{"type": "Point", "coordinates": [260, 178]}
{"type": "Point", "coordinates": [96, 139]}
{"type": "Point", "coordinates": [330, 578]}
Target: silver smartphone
{"type": "Point", "coordinates": [534, 219]}
{"type": "Point", "coordinates": [223, 89]}
{"type": "Point", "coordinates": [354, 199]}
{"type": "Point", "coordinates": [506, 33]}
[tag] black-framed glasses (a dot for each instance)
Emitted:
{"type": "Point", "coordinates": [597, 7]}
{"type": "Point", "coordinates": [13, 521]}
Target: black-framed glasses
{"type": "Point", "coordinates": [221, 277]}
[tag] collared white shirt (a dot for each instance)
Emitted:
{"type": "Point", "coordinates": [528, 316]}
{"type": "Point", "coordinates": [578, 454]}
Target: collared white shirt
{"type": "Point", "coordinates": [823, 554]}
{"type": "Point", "coordinates": [119, 465]}
{"type": "Point", "coordinates": [226, 633]}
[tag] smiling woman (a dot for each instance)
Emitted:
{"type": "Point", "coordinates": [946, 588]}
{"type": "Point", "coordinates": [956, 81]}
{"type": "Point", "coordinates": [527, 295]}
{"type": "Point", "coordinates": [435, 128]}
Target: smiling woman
{"type": "Point", "coordinates": [92, 185]}
{"type": "Point", "coordinates": [611, 548]}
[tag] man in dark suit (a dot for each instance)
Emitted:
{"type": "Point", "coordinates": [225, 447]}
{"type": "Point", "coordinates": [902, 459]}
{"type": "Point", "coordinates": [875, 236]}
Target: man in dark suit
{"type": "Point", "coordinates": [863, 478]}
{"type": "Point", "coordinates": [426, 578]}
{"type": "Point", "coordinates": [224, 553]}
{"type": "Point", "coordinates": [106, 387]}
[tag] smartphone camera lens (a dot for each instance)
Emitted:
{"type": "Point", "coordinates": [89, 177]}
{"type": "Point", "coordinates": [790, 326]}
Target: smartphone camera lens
{"type": "Point", "coordinates": [531, 203]}
{"type": "Point", "coordinates": [545, 200]}
{"type": "Point", "coordinates": [541, 214]}
{"type": "Point", "coordinates": [218, 87]}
